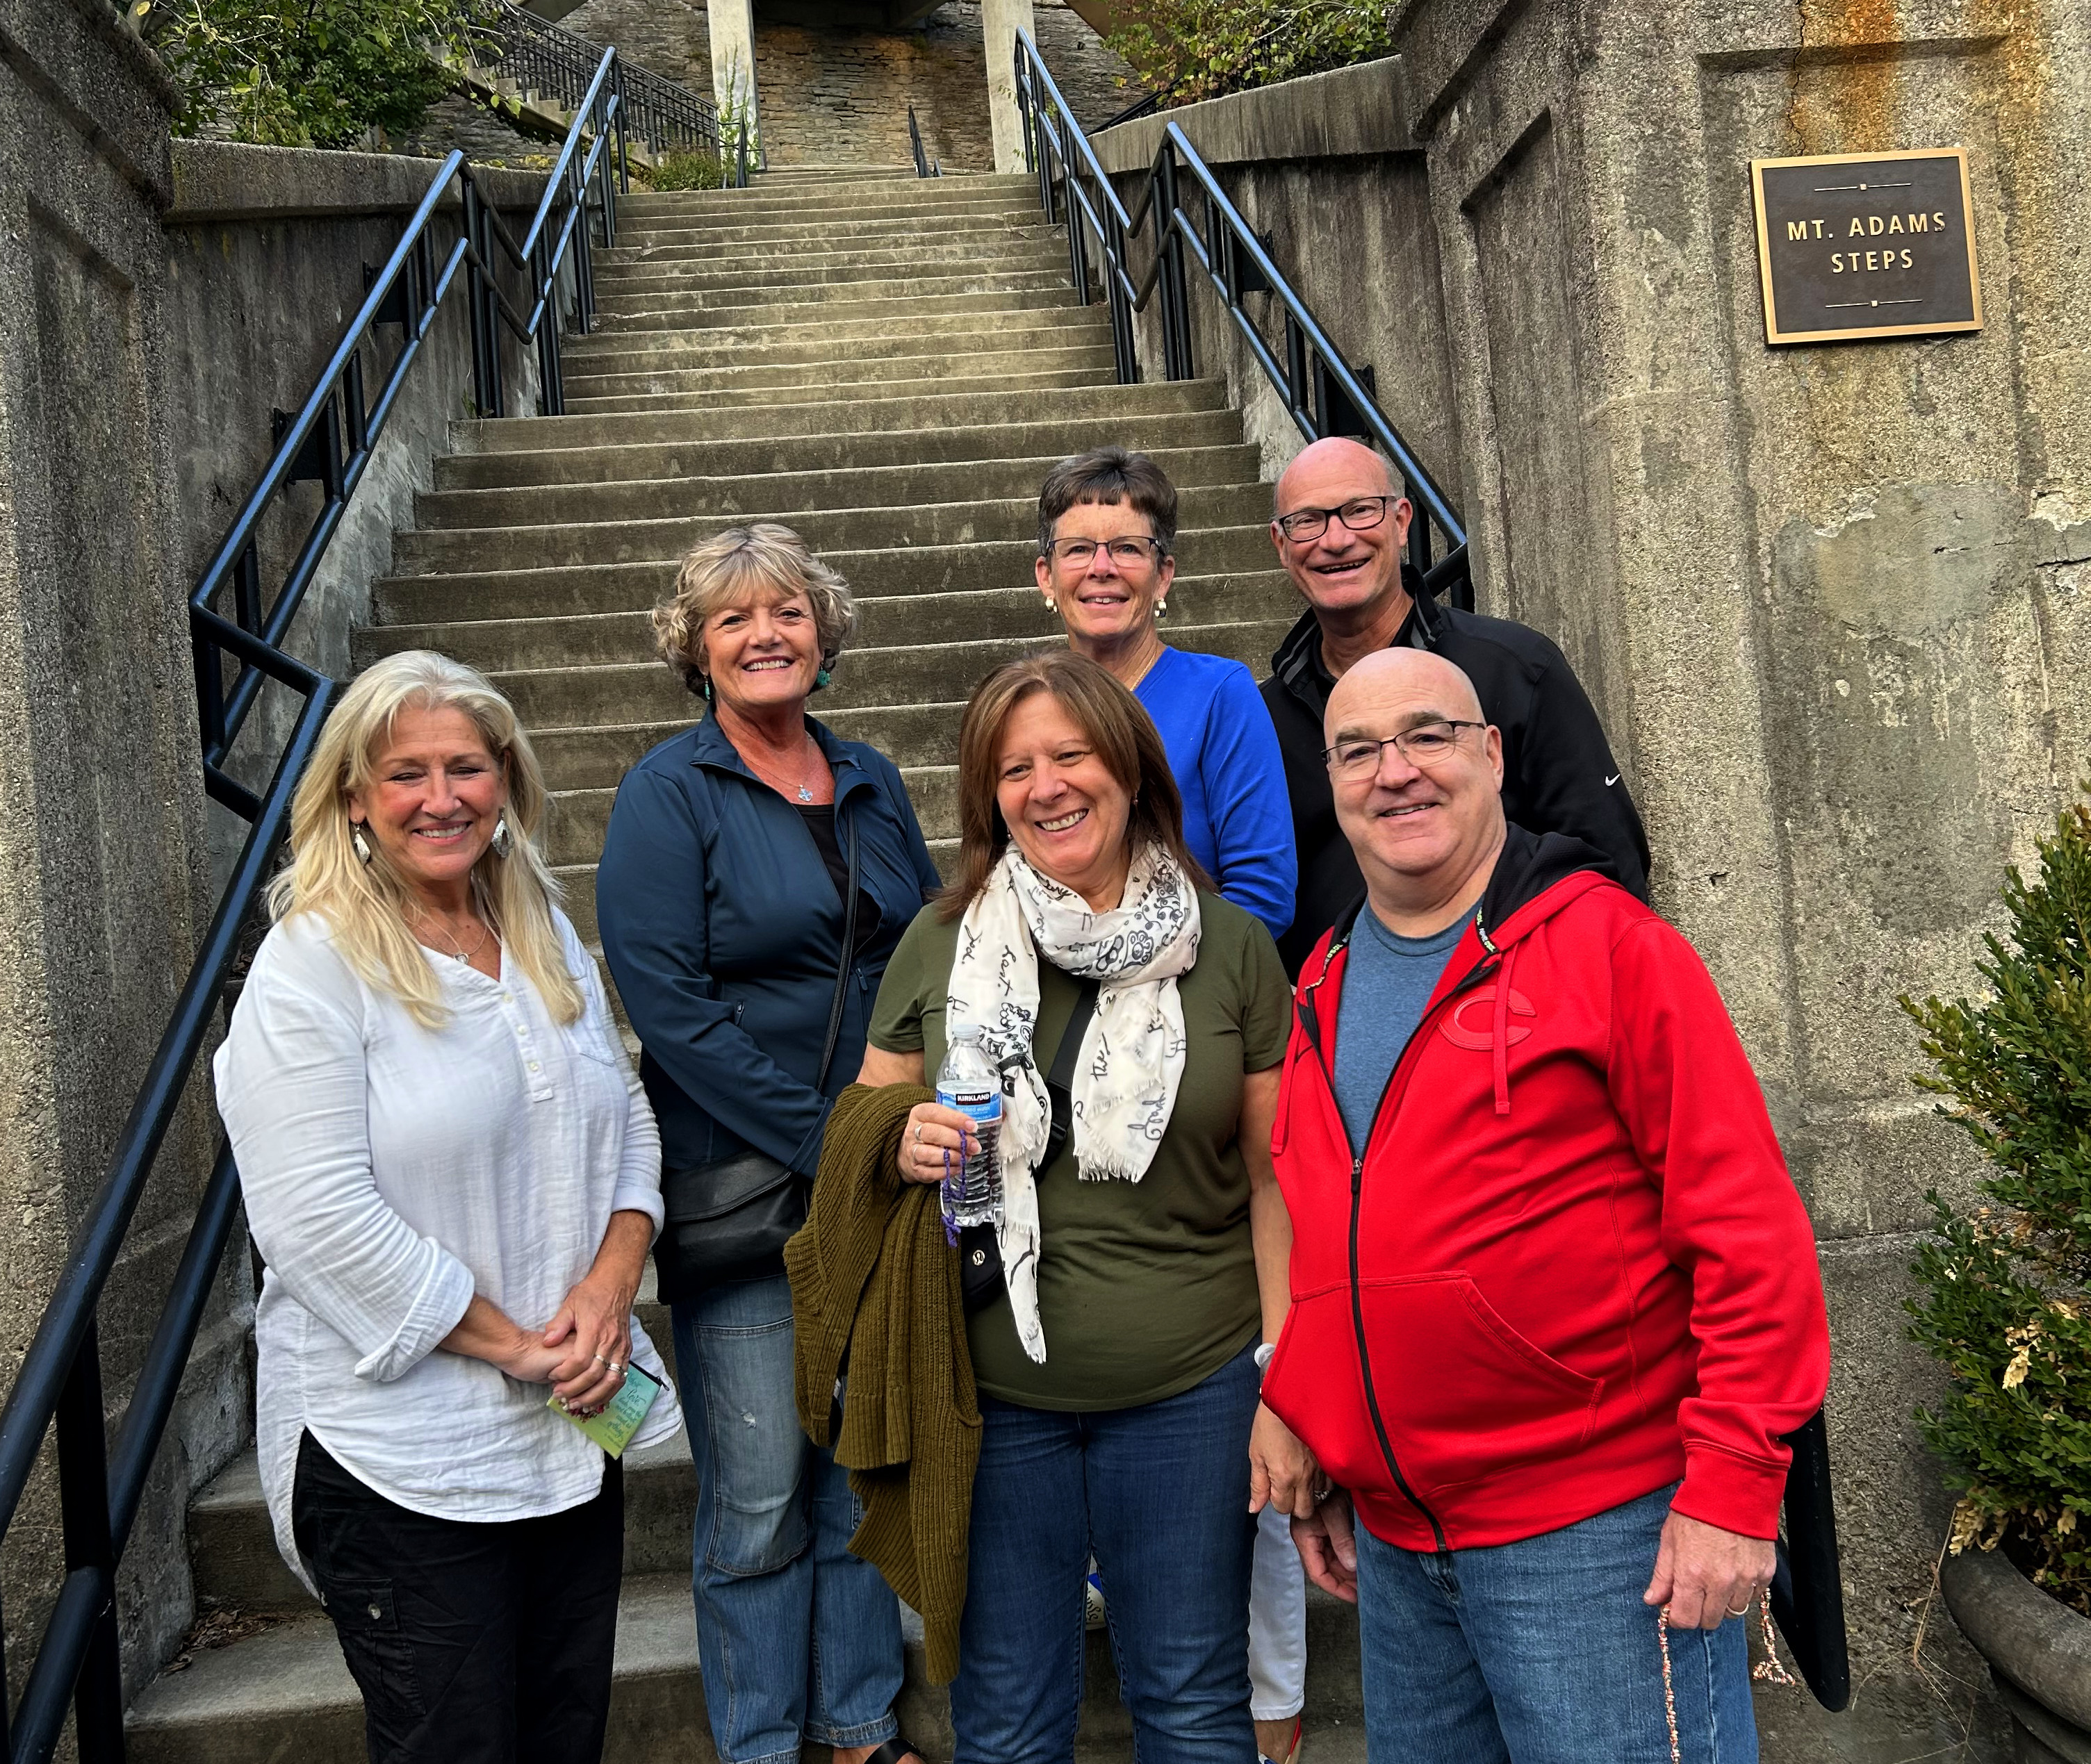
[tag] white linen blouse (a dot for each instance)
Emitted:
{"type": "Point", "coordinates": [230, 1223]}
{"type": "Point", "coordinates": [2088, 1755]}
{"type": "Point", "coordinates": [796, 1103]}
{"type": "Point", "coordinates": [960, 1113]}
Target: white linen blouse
{"type": "Point", "coordinates": [391, 1172]}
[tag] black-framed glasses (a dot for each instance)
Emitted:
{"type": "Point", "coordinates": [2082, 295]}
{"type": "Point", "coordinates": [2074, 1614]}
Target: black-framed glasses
{"type": "Point", "coordinates": [1426, 745]}
{"type": "Point", "coordinates": [1128, 551]}
{"type": "Point", "coordinates": [1360, 515]}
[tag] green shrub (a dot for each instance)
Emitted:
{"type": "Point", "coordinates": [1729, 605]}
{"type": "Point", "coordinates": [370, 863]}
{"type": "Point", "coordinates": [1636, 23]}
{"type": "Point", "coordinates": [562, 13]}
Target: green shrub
{"type": "Point", "coordinates": [1191, 50]}
{"type": "Point", "coordinates": [686, 171]}
{"type": "Point", "coordinates": [313, 73]}
{"type": "Point", "coordinates": [2005, 1309]}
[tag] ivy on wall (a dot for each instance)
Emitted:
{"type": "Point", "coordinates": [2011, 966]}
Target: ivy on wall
{"type": "Point", "coordinates": [312, 73]}
{"type": "Point", "coordinates": [1191, 50]}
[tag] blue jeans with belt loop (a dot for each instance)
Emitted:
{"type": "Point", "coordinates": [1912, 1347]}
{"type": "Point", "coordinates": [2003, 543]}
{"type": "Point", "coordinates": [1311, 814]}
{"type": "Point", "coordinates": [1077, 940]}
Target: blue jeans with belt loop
{"type": "Point", "coordinates": [1541, 1652]}
{"type": "Point", "coordinates": [799, 1641]}
{"type": "Point", "coordinates": [1160, 1493]}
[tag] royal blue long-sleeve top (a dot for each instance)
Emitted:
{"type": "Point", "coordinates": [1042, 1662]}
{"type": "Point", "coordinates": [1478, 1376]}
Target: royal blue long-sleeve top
{"type": "Point", "coordinates": [1237, 817]}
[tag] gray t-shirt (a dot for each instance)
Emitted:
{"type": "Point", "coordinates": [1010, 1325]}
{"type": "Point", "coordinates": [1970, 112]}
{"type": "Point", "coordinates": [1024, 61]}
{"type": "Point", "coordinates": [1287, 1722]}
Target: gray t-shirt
{"type": "Point", "coordinates": [1387, 981]}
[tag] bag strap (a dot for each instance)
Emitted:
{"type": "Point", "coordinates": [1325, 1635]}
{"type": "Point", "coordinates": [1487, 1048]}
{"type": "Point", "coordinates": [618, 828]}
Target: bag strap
{"type": "Point", "coordinates": [1059, 1081]}
{"type": "Point", "coordinates": [842, 967]}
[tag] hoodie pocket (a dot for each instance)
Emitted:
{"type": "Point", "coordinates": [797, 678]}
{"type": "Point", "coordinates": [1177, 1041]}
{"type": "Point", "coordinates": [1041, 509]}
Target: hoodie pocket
{"type": "Point", "coordinates": [1463, 1395]}
{"type": "Point", "coordinates": [1314, 1386]}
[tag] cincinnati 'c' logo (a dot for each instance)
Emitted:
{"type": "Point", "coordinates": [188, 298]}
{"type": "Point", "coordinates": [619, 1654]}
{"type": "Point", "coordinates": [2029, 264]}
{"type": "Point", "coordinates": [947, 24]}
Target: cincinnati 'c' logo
{"type": "Point", "coordinates": [1480, 1006]}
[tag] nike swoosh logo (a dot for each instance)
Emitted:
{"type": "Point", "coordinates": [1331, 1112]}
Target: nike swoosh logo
{"type": "Point", "coordinates": [1613, 780]}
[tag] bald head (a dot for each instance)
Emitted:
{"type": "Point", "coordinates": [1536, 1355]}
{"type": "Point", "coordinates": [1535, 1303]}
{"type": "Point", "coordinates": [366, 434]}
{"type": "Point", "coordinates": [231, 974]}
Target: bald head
{"type": "Point", "coordinates": [1339, 526]}
{"type": "Point", "coordinates": [1410, 685]}
{"type": "Point", "coordinates": [1336, 459]}
{"type": "Point", "coordinates": [1416, 774]}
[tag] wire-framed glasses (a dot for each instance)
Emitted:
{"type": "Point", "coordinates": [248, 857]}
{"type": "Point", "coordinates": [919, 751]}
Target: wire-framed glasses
{"type": "Point", "coordinates": [1128, 551]}
{"type": "Point", "coordinates": [1426, 745]}
{"type": "Point", "coordinates": [1360, 514]}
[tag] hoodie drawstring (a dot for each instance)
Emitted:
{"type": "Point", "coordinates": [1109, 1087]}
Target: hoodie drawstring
{"type": "Point", "coordinates": [1499, 1036]}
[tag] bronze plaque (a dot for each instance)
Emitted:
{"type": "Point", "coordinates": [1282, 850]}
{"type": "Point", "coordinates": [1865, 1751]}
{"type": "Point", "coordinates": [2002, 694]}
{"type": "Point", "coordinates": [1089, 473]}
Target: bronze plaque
{"type": "Point", "coordinates": [1856, 245]}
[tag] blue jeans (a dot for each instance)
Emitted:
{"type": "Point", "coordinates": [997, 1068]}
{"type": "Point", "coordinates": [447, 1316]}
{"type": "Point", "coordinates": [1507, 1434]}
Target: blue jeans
{"type": "Point", "coordinates": [1160, 1494]}
{"type": "Point", "coordinates": [799, 1641]}
{"type": "Point", "coordinates": [1540, 1652]}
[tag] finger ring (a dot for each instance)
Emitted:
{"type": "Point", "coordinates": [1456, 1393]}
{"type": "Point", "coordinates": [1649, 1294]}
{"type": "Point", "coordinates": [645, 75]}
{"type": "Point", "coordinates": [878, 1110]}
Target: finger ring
{"type": "Point", "coordinates": [1744, 1613]}
{"type": "Point", "coordinates": [1321, 1492]}
{"type": "Point", "coordinates": [616, 1369]}
{"type": "Point", "coordinates": [599, 1359]}
{"type": "Point", "coordinates": [918, 1133]}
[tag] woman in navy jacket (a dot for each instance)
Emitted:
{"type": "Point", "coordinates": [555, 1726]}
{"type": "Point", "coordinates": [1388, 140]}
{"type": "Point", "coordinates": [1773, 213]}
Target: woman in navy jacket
{"type": "Point", "coordinates": [720, 900]}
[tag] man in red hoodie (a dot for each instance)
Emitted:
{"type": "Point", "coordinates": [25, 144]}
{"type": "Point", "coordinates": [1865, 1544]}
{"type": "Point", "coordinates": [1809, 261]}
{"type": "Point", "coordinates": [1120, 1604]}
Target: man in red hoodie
{"type": "Point", "coordinates": [1554, 1298]}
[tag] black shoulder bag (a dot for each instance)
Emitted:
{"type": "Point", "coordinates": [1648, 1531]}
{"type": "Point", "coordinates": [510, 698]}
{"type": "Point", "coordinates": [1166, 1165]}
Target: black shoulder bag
{"type": "Point", "coordinates": [729, 1220]}
{"type": "Point", "coordinates": [979, 1254]}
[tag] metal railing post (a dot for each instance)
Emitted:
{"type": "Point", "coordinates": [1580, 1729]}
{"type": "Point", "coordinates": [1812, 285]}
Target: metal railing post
{"type": "Point", "coordinates": [83, 1445]}
{"type": "Point", "coordinates": [1175, 296]}
{"type": "Point", "coordinates": [623, 161]}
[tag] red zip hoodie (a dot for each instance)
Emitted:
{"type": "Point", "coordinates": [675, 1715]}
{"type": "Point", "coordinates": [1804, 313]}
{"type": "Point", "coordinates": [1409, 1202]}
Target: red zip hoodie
{"type": "Point", "coordinates": [1571, 1267]}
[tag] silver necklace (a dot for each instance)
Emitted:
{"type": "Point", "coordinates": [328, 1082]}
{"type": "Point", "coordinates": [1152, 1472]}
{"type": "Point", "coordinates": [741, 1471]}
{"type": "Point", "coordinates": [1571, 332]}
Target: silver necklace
{"type": "Point", "coordinates": [457, 950]}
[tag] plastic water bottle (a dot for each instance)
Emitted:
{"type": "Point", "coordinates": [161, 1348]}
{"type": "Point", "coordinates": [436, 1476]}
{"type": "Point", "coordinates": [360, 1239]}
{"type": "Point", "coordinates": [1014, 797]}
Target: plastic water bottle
{"type": "Point", "coordinates": [968, 1081]}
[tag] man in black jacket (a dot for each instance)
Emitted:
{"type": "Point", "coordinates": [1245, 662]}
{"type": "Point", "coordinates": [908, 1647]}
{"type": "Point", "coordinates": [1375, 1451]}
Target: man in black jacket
{"type": "Point", "coordinates": [1340, 527]}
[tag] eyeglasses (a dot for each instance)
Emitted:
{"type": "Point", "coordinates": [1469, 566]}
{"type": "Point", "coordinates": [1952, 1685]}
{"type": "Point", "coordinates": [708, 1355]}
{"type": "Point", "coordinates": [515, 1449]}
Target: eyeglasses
{"type": "Point", "coordinates": [1426, 745]}
{"type": "Point", "coordinates": [1360, 515]}
{"type": "Point", "coordinates": [1128, 551]}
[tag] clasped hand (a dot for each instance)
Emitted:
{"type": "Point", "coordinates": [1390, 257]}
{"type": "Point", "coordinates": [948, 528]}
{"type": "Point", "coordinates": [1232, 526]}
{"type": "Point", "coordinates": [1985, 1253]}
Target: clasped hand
{"type": "Point", "coordinates": [583, 1352]}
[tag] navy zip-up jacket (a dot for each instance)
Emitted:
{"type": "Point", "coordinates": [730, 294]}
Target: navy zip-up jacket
{"type": "Point", "coordinates": [723, 929]}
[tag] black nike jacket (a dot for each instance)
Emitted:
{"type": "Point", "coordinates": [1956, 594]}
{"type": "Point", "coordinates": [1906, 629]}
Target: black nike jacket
{"type": "Point", "coordinates": [1558, 773]}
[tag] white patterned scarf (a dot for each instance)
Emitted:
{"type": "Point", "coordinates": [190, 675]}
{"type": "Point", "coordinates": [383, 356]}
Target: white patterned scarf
{"type": "Point", "coordinates": [1131, 1056]}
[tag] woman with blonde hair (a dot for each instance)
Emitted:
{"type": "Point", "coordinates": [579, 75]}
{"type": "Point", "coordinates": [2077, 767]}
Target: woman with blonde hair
{"type": "Point", "coordinates": [757, 872]}
{"type": "Point", "coordinates": [454, 1177]}
{"type": "Point", "coordinates": [1138, 1018]}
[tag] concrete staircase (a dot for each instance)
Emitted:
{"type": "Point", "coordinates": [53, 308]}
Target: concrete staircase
{"type": "Point", "coordinates": [890, 367]}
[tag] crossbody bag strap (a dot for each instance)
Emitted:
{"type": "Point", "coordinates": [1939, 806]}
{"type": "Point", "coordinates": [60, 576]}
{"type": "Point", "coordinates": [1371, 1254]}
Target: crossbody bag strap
{"type": "Point", "coordinates": [1060, 1081]}
{"type": "Point", "coordinates": [842, 967]}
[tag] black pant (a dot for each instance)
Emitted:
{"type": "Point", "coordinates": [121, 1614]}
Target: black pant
{"type": "Point", "coordinates": [471, 1644]}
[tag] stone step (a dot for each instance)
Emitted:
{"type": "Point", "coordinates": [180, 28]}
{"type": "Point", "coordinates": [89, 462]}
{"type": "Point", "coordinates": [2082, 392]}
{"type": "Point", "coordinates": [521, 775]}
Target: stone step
{"type": "Point", "coordinates": [286, 1693]}
{"type": "Point", "coordinates": [916, 413]}
{"type": "Point", "coordinates": [814, 351]}
{"type": "Point", "coordinates": [792, 250]}
{"type": "Point", "coordinates": [836, 529]}
{"type": "Point", "coordinates": [647, 692]}
{"type": "Point", "coordinates": [828, 269]}
{"type": "Point", "coordinates": [786, 234]}
{"type": "Point", "coordinates": [808, 342]}
{"type": "Point", "coordinates": [884, 445]}
{"type": "Point", "coordinates": [883, 486]}
{"type": "Point", "coordinates": [826, 196]}
{"type": "Point", "coordinates": [529, 593]}
{"type": "Point", "coordinates": [1009, 610]}
{"type": "Point", "coordinates": [903, 211]}
{"type": "Point", "coordinates": [1013, 371]}
{"type": "Point", "coordinates": [746, 309]}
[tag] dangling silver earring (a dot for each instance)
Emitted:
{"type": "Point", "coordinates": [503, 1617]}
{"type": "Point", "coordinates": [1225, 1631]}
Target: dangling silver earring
{"type": "Point", "coordinates": [707, 689]}
{"type": "Point", "coordinates": [503, 841]}
{"type": "Point", "coordinates": [355, 839]}
{"type": "Point", "coordinates": [1162, 608]}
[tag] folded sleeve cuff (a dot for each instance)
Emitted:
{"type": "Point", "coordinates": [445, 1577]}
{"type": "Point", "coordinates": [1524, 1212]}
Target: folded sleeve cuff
{"type": "Point", "coordinates": [1738, 1494]}
{"type": "Point", "coordinates": [436, 1310]}
{"type": "Point", "coordinates": [637, 1192]}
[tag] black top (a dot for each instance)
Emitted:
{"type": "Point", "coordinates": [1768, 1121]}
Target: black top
{"type": "Point", "coordinates": [820, 819]}
{"type": "Point", "coordinates": [1558, 773]}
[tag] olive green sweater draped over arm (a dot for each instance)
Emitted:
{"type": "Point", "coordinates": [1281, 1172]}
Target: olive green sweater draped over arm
{"type": "Point", "coordinates": [875, 1287]}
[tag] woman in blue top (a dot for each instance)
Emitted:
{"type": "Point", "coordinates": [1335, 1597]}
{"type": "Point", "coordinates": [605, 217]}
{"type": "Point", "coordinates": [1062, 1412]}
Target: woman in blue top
{"type": "Point", "coordinates": [720, 901]}
{"type": "Point", "coordinates": [1107, 538]}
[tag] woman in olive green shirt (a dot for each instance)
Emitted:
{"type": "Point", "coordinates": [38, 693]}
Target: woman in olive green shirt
{"type": "Point", "coordinates": [1145, 1262]}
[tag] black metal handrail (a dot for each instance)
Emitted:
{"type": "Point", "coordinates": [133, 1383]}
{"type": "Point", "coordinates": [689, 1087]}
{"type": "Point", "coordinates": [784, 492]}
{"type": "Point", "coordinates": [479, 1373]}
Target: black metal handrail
{"type": "Point", "coordinates": [1323, 393]}
{"type": "Point", "coordinates": [331, 439]}
{"type": "Point", "coordinates": [924, 166]}
{"type": "Point", "coordinates": [542, 57]}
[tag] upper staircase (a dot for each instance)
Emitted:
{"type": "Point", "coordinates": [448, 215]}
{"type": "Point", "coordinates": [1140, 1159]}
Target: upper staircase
{"type": "Point", "coordinates": [890, 366]}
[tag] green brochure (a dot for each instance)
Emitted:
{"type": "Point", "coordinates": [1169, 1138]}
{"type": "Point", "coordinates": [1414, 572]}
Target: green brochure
{"type": "Point", "coordinates": [612, 1429]}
